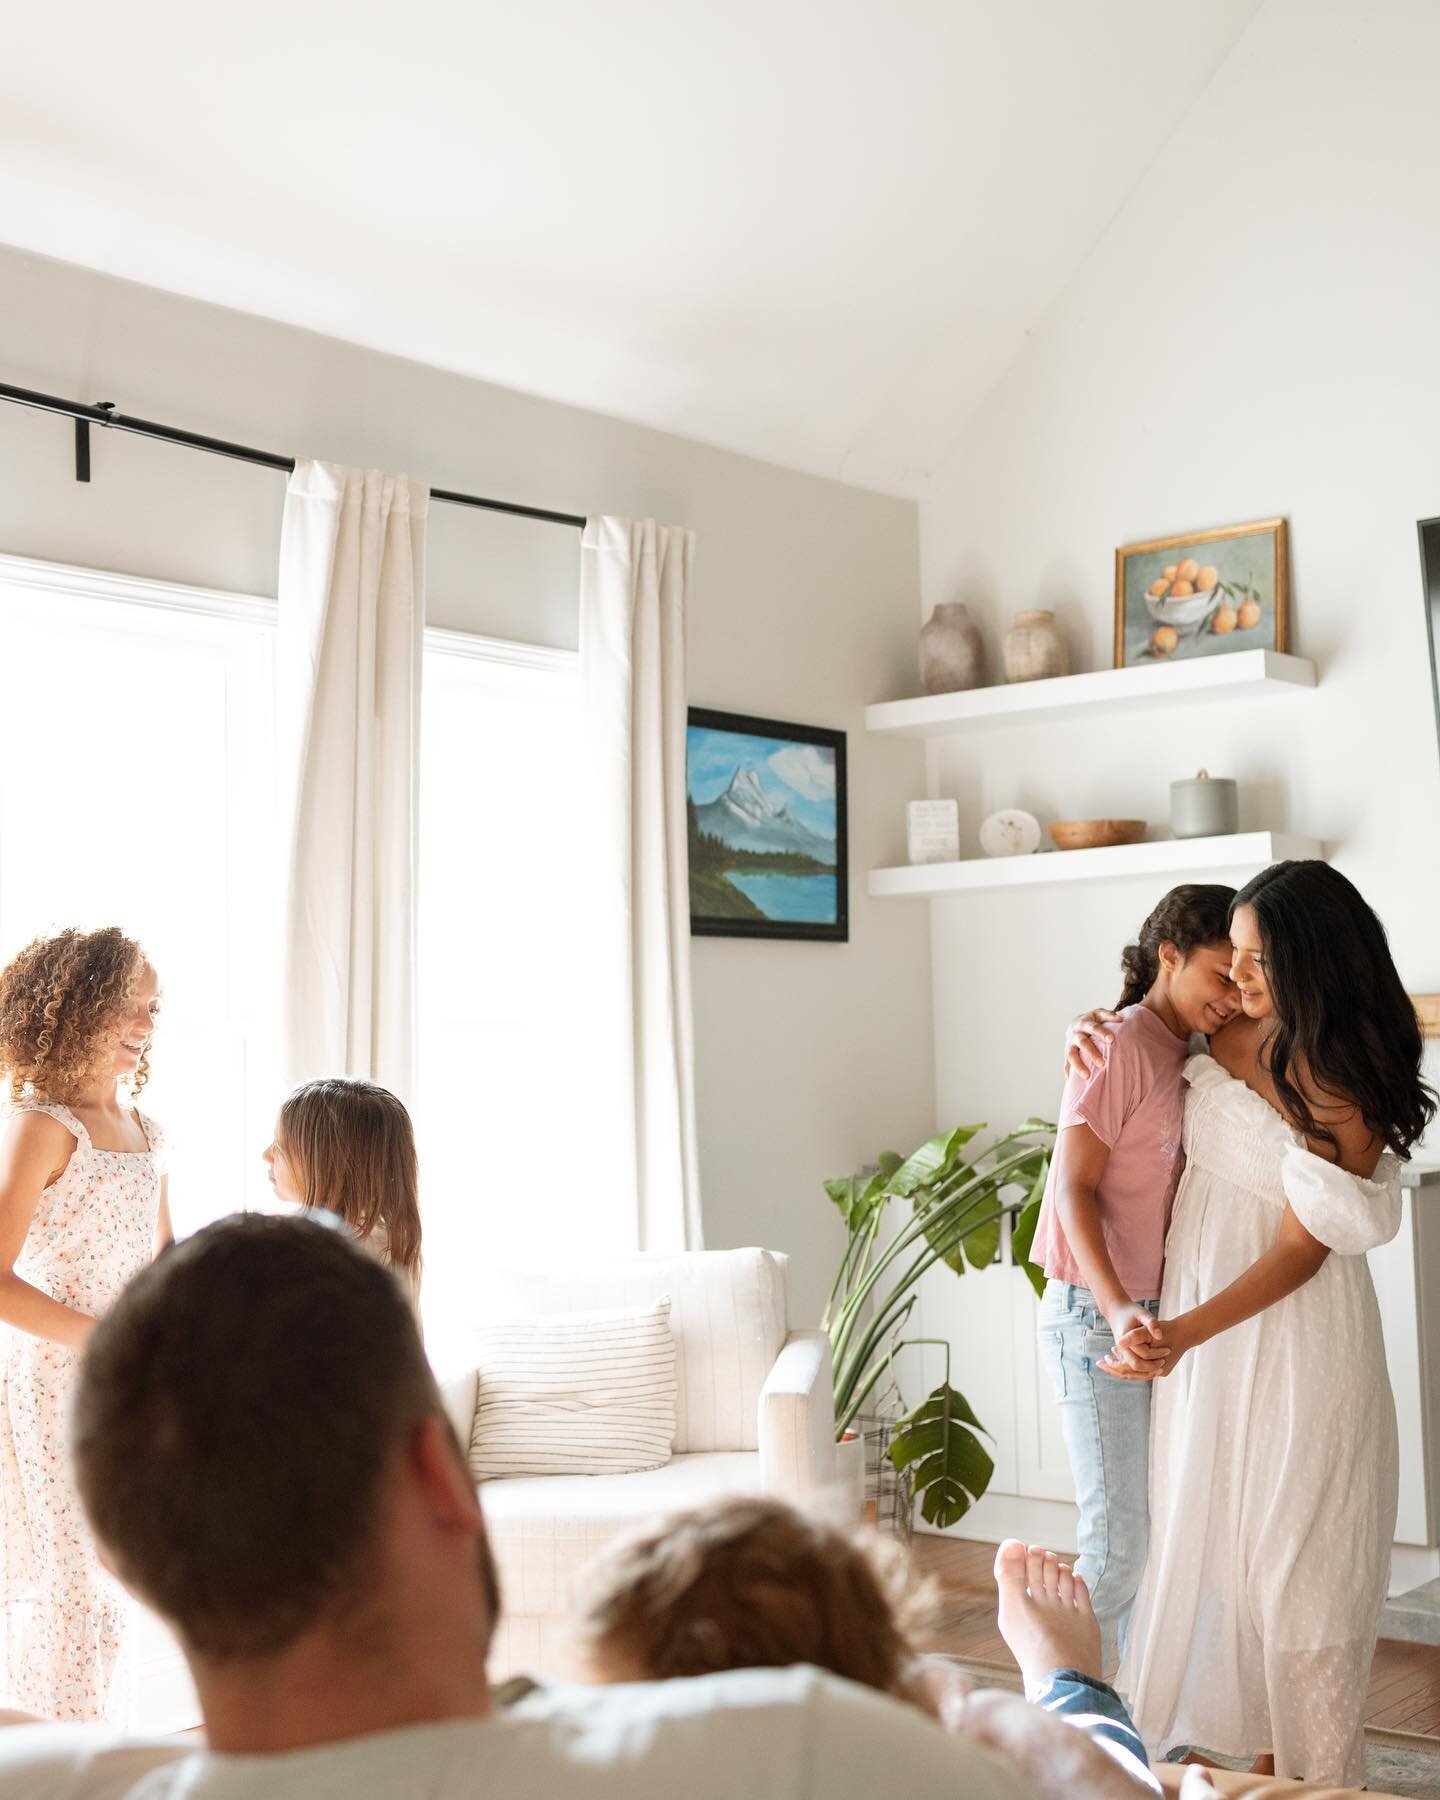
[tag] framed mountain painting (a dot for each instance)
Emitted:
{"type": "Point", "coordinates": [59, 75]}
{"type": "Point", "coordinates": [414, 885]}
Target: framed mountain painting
{"type": "Point", "coordinates": [766, 809]}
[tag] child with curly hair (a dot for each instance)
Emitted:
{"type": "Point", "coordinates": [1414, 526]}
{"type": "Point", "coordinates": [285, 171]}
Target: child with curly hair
{"type": "Point", "coordinates": [83, 1207]}
{"type": "Point", "coordinates": [749, 1582]}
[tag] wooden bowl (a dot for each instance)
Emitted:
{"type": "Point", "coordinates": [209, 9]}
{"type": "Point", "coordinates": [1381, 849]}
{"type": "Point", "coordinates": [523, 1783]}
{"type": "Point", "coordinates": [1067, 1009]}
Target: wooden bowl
{"type": "Point", "coordinates": [1096, 834]}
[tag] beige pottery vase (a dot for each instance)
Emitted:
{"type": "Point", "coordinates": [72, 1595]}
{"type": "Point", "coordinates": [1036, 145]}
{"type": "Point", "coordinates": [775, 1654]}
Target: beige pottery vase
{"type": "Point", "coordinates": [951, 654]}
{"type": "Point", "coordinates": [1034, 649]}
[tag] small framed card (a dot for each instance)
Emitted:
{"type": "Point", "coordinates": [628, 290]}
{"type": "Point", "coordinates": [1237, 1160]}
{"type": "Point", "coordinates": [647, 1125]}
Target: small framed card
{"type": "Point", "coordinates": [934, 831]}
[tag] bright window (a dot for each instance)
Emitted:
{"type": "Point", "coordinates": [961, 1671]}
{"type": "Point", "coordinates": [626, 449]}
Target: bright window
{"type": "Point", "coordinates": [503, 980]}
{"type": "Point", "coordinates": [134, 788]}
{"type": "Point", "coordinates": [137, 788]}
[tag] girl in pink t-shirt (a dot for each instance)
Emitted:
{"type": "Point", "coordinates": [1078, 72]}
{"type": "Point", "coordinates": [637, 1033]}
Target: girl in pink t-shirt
{"type": "Point", "coordinates": [1101, 1235]}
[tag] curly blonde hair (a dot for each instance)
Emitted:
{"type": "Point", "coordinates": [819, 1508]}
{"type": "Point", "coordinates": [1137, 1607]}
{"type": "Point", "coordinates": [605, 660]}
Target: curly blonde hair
{"type": "Point", "coordinates": [748, 1582]}
{"type": "Point", "coordinates": [60, 999]}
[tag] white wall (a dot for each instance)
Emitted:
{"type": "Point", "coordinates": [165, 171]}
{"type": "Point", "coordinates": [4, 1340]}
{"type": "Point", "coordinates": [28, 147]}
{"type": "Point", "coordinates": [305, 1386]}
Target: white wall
{"type": "Point", "coordinates": [1256, 334]}
{"type": "Point", "coordinates": [810, 1057]}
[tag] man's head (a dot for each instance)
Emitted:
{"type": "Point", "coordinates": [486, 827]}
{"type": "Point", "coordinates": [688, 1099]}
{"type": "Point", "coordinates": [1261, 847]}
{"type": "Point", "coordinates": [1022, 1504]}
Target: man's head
{"type": "Point", "coordinates": [262, 1449]}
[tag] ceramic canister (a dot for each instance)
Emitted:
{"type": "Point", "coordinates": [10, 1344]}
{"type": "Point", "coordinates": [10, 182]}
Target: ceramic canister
{"type": "Point", "coordinates": [1208, 806]}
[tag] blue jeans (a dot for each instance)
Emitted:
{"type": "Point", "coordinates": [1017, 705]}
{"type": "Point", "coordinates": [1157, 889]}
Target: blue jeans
{"type": "Point", "coordinates": [1106, 1422]}
{"type": "Point", "coordinates": [1099, 1712]}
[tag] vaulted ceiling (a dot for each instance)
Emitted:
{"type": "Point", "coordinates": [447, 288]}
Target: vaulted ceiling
{"type": "Point", "coordinates": [815, 231]}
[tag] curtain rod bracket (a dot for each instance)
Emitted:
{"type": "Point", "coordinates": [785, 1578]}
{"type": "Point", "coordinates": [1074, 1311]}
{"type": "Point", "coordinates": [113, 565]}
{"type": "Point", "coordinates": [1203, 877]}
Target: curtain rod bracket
{"type": "Point", "coordinates": [82, 439]}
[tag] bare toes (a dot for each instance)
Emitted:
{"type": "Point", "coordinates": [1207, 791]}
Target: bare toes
{"type": "Point", "coordinates": [1010, 1563]}
{"type": "Point", "coordinates": [1052, 1575]}
{"type": "Point", "coordinates": [1065, 1586]}
{"type": "Point", "coordinates": [1035, 1569]}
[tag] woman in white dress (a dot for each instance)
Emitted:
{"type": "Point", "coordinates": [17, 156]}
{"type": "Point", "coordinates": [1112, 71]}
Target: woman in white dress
{"type": "Point", "coordinates": [1273, 1460]}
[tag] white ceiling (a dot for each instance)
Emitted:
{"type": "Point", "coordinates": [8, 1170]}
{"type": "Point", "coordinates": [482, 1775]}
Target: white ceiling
{"type": "Point", "coordinates": [812, 230]}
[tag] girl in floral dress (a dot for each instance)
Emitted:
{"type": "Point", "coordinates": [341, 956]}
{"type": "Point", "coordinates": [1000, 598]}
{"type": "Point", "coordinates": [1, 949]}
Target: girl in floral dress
{"type": "Point", "coordinates": [83, 1207]}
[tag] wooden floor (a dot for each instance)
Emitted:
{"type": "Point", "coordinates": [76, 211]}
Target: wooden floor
{"type": "Point", "coordinates": [1404, 1680]}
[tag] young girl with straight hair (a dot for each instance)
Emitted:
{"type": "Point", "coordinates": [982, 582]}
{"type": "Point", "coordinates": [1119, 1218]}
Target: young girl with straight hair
{"type": "Point", "coordinates": [346, 1147]}
{"type": "Point", "coordinates": [1101, 1234]}
{"type": "Point", "coordinates": [83, 1207]}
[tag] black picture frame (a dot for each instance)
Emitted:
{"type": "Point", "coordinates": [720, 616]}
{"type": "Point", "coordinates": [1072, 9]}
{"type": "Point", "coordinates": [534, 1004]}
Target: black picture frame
{"type": "Point", "coordinates": [705, 920]}
{"type": "Point", "coordinates": [1429, 530]}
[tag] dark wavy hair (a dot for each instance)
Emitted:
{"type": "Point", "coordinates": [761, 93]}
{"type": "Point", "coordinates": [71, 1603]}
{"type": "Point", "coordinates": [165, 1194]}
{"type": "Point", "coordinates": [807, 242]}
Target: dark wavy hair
{"type": "Point", "coordinates": [1342, 1017]}
{"type": "Point", "coordinates": [1189, 917]}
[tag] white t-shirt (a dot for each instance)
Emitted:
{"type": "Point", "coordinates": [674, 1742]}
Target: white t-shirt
{"type": "Point", "coordinates": [758, 1734]}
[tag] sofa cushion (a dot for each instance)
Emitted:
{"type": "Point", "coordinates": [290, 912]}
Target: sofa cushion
{"type": "Point", "coordinates": [545, 1531]}
{"type": "Point", "coordinates": [727, 1315]}
{"type": "Point", "coordinates": [574, 1394]}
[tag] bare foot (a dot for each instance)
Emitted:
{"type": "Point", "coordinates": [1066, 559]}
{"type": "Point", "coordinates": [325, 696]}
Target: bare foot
{"type": "Point", "coordinates": [1045, 1613]}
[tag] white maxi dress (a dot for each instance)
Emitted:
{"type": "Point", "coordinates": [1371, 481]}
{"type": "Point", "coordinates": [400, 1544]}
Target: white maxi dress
{"type": "Point", "coordinates": [1274, 1464]}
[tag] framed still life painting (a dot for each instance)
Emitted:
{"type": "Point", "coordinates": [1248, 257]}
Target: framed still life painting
{"type": "Point", "coordinates": [1203, 594]}
{"type": "Point", "coordinates": [767, 841]}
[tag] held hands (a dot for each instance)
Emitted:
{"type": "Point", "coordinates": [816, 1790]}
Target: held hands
{"type": "Point", "coordinates": [1149, 1350]}
{"type": "Point", "coordinates": [1141, 1351]}
{"type": "Point", "coordinates": [1087, 1042]}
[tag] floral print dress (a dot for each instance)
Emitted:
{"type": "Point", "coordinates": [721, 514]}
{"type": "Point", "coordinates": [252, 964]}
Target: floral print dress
{"type": "Point", "coordinates": [65, 1619]}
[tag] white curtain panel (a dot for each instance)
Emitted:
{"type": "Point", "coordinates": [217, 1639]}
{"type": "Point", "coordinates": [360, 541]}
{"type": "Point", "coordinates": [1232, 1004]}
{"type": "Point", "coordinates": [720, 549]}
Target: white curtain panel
{"type": "Point", "coordinates": [352, 618]}
{"type": "Point", "coordinates": [634, 579]}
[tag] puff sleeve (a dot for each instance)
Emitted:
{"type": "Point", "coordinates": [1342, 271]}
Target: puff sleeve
{"type": "Point", "coordinates": [1347, 1213]}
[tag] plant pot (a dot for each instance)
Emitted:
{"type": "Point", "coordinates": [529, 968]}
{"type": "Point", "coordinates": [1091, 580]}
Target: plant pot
{"type": "Point", "coordinates": [850, 1476]}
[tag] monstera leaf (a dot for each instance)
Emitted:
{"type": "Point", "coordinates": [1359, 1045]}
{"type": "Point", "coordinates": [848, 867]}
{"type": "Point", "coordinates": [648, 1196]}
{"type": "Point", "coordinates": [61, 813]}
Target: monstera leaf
{"type": "Point", "coordinates": [949, 1466]}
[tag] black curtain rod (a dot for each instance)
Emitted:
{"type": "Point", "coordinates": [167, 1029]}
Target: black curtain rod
{"type": "Point", "coordinates": [105, 414]}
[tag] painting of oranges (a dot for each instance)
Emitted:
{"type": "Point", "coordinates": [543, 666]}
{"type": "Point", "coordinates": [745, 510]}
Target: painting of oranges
{"type": "Point", "coordinates": [1202, 595]}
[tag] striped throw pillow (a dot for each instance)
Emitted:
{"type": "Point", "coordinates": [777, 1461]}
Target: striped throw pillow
{"type": "Point", "coordinates": [588, 1393]}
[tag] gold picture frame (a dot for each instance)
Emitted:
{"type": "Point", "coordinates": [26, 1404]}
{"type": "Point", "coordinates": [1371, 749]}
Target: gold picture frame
{"type": "Point", "coordinates": [1236, 598]}
{"type": "Point", "coordinates": [1427, 1011]}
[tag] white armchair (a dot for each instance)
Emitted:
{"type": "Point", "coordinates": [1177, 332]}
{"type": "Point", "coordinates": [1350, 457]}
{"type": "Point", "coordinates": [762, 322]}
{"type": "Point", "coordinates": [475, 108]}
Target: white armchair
{"type": "Point", "coordinates": [754, 1413]}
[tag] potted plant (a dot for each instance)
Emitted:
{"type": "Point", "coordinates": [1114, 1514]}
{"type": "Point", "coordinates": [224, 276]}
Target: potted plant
{"type": "Point", "coordinates": [948, 1208]}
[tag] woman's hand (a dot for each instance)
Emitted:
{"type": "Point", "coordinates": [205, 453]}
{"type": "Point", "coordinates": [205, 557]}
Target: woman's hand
{"type": "Point", "coordinates": [1087, 1042]}
{"type": "Point", "coordinates": [1135, 1356]}
{"type": "Point", "coordinates": [1139, 1343]}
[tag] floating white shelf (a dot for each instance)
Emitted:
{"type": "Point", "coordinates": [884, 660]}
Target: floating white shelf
{"type": "Point", "coordinates": [1169, 856]}
{"type": "Point", "coordinates": [1230, 677]}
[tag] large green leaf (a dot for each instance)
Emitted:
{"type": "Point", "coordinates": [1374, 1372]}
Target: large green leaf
{"type": "Point", "coordinates": [857, 1197]}
{"type": "Point", "coordinates": [931, 1161]}
{"type": "Point", "coordinates": [982, 1245]}
{"type": "Point", "coordinates": [949, 1466]}
{"type": "Point", "coordinates": [1022, 1236]}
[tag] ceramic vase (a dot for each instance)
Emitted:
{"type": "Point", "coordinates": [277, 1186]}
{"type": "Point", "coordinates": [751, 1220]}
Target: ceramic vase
{"type": "Point", "coordinates": [951, 654]}
{"type": "Point", "coordinates": [1034, 649]}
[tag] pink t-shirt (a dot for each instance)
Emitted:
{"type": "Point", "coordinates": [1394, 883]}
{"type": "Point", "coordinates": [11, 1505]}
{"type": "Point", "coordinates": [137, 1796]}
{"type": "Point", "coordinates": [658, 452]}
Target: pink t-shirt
{"type": "Point", "coordinates": [1134, 1107]}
